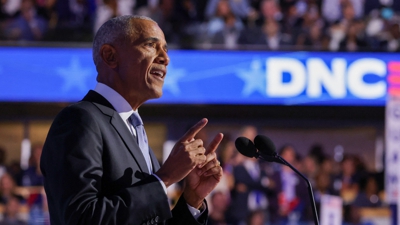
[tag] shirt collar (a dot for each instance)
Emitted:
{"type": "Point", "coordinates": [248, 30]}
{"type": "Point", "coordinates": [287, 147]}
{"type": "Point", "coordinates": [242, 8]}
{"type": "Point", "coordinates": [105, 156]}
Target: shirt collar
{"type": "Point", "coordinates": [117, 101]}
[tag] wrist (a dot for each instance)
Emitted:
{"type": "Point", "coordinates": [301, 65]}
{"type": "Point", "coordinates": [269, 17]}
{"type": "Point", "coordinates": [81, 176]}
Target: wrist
{"type": "Point", "coordinates": [163, 177]}
{"type": "Point", "coordinates": [193, 200]}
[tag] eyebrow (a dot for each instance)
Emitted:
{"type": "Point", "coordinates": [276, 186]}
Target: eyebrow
{"type": "Point", "coordinates": [155, 40]}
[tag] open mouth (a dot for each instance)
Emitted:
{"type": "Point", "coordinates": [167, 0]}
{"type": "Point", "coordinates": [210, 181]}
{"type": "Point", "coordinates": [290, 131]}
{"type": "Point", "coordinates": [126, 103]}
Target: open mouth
{"type": "Point", "coordinates": [158, 72]}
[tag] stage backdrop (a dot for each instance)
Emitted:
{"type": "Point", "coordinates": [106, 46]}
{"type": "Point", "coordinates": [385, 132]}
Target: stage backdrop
{"type": "Point", "coordinates": [212, 77]}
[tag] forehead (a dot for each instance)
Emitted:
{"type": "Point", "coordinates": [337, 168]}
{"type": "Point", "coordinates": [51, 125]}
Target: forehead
{"type": "Point", "coordinates": [143, 29]}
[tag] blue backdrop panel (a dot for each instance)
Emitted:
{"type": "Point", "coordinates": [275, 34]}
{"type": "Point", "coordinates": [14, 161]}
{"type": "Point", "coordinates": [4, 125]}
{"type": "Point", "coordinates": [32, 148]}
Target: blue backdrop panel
{"type": "Point", "coordinates": [211, 77]}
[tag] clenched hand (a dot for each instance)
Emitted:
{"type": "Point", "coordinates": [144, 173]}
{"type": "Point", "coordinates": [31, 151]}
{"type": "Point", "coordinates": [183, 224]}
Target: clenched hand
{"type": "Point", "coordinates": [185, 156]}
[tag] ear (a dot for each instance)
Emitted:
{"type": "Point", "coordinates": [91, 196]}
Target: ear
{"type": "Point", "coordinates": [109, 55]}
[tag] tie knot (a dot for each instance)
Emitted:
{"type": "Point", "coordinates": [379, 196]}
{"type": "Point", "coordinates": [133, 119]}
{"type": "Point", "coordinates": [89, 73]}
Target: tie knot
{"type": "Point", "coordinates": [136, 120]}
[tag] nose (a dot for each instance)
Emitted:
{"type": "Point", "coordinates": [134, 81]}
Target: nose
{"type": "Point", "coordinates": [162, 57]}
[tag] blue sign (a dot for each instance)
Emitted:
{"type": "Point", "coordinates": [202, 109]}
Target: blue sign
{"type": "Point", "coordinates": [212, 77]}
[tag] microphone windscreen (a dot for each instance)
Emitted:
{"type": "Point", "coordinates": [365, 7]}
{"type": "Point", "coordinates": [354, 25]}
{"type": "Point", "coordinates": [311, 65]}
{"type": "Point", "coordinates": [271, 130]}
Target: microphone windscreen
{"type": "Point", "coordinates": [245, 147]}
{"type": "Point", "coordinates": [265, 145]}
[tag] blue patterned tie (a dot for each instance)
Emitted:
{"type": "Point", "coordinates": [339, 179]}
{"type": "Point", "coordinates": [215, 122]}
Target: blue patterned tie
{"type": "Point", "coordinates": [141, 138]}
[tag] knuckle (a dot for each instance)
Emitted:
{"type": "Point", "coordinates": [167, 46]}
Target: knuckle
{"type": "Point", "coordinates": [198, 142]}
{"type": "Point", "coordinates": [192, 155]}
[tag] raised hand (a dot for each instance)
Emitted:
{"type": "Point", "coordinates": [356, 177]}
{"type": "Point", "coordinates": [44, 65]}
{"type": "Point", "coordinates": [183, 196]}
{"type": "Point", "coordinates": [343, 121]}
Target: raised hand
{"type": "Point", "coordinates": [185, 156]}
{"type": "Point", "coordinates": [205, 177]}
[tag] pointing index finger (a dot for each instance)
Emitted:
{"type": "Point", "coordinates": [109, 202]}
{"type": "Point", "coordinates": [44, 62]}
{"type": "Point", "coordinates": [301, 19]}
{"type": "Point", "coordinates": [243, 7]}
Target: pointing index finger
{"type": "Point", "coordinates": [191, 133]}
{"type": "Point", "coordinates": [214, 144]}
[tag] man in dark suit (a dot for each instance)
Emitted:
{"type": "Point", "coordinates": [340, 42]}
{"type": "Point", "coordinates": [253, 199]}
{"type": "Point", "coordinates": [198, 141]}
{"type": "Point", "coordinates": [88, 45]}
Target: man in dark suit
{"type": "Point", "coordinates": [96, 169]}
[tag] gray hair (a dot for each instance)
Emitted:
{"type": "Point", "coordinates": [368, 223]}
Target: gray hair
{"type": "Point", "coordinates": [113, 30]}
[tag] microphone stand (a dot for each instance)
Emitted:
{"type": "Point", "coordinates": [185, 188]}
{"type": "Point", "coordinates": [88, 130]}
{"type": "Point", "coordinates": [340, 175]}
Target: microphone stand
{"type": "Point", "coordinates": [310, 191]}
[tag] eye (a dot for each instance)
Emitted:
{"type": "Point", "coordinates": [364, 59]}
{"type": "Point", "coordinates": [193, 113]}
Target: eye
{"type": "Point", "coordinates": [151, 44]}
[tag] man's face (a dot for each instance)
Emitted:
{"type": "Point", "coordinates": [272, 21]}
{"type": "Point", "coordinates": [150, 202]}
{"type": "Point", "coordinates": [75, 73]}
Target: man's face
{"type": "Point", "coordinates": [143, 62]}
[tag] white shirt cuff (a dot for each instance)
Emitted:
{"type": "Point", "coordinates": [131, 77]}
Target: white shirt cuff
{"type": "Point", "coordinates": [161, 182]}
{"type": "Point", "coordinates": [195, 212]}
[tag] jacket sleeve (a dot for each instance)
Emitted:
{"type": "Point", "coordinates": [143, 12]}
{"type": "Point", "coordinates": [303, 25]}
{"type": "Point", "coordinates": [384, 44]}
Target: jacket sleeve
{"type": "Point", "coordinates": [73, 172]}
{"type": "Point", "coordinates": [182, 216]}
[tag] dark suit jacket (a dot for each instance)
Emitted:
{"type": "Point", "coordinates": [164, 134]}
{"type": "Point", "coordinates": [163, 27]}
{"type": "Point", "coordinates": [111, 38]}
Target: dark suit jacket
{"type": "Point", "coordinates": [95, 173]}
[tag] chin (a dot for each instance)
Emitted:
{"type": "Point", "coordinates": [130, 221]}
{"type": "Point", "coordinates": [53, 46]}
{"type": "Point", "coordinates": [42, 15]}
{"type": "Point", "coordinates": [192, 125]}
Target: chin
{"type": "Point", "coordinates": [156, 94]}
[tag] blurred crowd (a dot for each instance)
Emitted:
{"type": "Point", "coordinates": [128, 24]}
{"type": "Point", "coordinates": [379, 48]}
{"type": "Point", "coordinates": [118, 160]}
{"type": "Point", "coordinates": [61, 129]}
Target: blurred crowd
{"type": "Point", "coordinates": [251, 192]}
{"type": "Point", "coordinates": [324, 25]}
{"type": "Point", "coordinates": [22, 197]}
{"type": "Point", "coordinates": [254, 192]}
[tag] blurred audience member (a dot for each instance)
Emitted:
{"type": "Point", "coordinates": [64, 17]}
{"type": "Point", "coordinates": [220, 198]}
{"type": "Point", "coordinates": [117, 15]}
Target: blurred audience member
{"type": "Point", "coordinates": [323, 186]}
{"type": "Point", "coordinates": [256, 217]}
{"type": "Point", "coordinates": [218, 207]}
{"type": "Point", "coordinates": [75, 20]}
{"type": "Point", "coordinates": [354, 40]}
{"type": "Point", "coordinates": [224, 27]}
{"type": "Point", "coordinates": [327, 165]}
{"type": "Point", "coordinates": [47, 10]}
{"type": "Point", "coordinates": [346, 183]}
{"type": "Point", "coordinates": [14, 169]}
{"type": "Point", "coordinates": [185, 23]}
{"type": "Point", "coordinates": [269, 36]}
{"type": "Point", "coordinates": [12, 212]}
{"type": "Point", "coordinates": [240, 8]}
{"type": "Point", "coordinates": [28, 26]}
{"type": "Point", "coordinates": [332, 10]}
{"type": "Point", "coordinates": [226, 151]}
{"type": "Point", "coordinates": [310, 168]}
{"type": "Point", "coordinates": [228, 36]}
{"type": "Point", "coordinates": [108, 9]}
{"type": "Point", "coordinates": [33, 176]}
{"type": "Point", "coordinates": [392, 42]}
{"type": "Point", "coordinates": [8, 189]}
{"type": "Point", "coordinates": [291, 20]}
{"type": "Point", "coordinates": [228, 156]}
{"type": "Point", "coordinates": [145, 7]}
{"type": "Point", "coordinates": [289, 202]}
{"type": "Point", "coordinates": [250, 186]}
{"type": "Point", "coordinates": [368, 196]}
{"type": "Point", "coordinates": [317, 151]}
{"type": "Point", "coordinates": [339, 29]}
{"type": "Point", "coordinates": [269, 11]}
{"type": "Point", "coordinates": [358, 6]}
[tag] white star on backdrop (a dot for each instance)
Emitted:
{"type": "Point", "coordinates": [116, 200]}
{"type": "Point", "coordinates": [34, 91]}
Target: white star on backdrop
{"type": "Point", "coordinates": [172, 79]}
{"type": "Point", "coordinates": [74, 75]}
{"type": "Point", "coordinates": [254, 78]}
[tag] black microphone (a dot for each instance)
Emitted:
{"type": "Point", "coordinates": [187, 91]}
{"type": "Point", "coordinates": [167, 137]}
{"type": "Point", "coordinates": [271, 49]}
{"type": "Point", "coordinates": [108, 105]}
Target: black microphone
{"type": "Point", "coordinates": [267, 147]}
{"type": "Point", "coordinates": [247, 148]}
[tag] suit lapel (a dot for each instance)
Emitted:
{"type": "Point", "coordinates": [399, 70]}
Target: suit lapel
{"type": "Point", "coordinates": [106, 108]}
{"type": "Point", "coordinates": [129, 141]}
